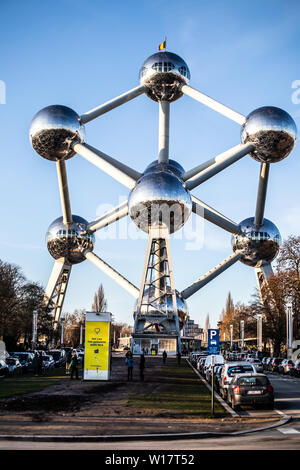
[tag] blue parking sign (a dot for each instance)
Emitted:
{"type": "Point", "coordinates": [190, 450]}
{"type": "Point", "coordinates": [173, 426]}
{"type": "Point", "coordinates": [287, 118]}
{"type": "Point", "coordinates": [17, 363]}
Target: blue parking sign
{"type": "Point", "coordinates": [213, 342]}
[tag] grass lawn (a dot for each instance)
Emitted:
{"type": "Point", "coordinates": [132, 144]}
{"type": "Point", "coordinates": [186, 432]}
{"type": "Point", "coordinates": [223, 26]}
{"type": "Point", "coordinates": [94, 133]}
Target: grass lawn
{"type": "Point", "coordinates": [27, 383]}
{"type": "Point", "coordinates": [185, 394]}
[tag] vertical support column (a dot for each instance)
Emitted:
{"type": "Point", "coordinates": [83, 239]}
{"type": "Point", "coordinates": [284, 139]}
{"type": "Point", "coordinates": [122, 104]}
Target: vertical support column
{"type": "Point", "coordinates": [231, 337]}
{"type": "Point", "coordinates": [163, 134]}
{"type": "Point", "coordinates": [261, 194]}
{"type": "Point", "coordinates": [262, 274]}
{"type": "Point", "coordinates": [156, 310]}
{"type": "Point", "coordinates": [64, 191]}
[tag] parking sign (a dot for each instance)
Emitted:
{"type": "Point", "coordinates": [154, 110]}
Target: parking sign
{"type": "Point", "coordinates": [213, 342]}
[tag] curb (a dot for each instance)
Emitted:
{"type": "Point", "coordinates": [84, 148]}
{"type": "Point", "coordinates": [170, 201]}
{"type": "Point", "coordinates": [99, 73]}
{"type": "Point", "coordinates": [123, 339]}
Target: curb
{"type": "Point", "coordinates": [137, 437]}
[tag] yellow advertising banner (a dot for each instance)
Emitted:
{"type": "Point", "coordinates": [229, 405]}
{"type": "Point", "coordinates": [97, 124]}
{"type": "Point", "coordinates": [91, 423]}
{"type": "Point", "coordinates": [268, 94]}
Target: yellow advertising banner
{"type": "Point", "coordinates": [97, 346]}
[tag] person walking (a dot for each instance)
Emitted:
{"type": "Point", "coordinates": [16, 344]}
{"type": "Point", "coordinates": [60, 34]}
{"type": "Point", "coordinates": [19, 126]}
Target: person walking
{"type": "Point", "coordinates": [164, 357]}
{"type": "Point", "coordinates": [74, 366]}
{"type": "Point", "coordinates": [130, 366]}
{"type": "Point", "coordinates": [142, 367]}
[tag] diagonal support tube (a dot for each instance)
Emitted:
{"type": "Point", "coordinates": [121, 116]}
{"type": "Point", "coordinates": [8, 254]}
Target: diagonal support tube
{"type": "Point", "coordinates": [210, 275]}
{"type": "Point", "coordinates": [213, 104]}
{"type": "Point", "coordinates": [216, 218]}
{"type": "Point", "coordinates": [164, 131]}
{"type": "Point", "coordinates": [64, 191]}
{"type": "Point", "coordinates": [261, 194]}
{"type": "Point", "coordinates": [120, 172]}
{"type": "Point", "coordinates": [219, 163]}
{"type": "Point", "coordinates": [112, 273]}
{"type": "Point", "coordinates": [106, 219]}
{"type": "Point", "coordinates": [114, 103]}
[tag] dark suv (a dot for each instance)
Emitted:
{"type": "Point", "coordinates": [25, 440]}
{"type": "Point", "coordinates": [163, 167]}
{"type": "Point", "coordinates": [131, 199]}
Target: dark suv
{"type": "Point", "coordinates": [274, 363]}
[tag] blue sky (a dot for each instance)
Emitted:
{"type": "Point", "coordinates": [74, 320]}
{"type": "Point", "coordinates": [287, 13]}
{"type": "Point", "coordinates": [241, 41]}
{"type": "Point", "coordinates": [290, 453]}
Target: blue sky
{"type": "Point", "coordinates": [81, 54]}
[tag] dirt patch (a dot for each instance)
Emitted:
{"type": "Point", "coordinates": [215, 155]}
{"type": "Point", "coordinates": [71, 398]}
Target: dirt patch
{"type": "Point", "coordinates": [73, 407]}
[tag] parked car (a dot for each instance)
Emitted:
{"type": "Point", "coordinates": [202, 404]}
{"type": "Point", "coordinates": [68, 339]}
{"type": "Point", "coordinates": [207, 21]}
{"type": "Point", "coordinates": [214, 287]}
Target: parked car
{"type": "Point", "coordinates": [274, 363]}
{"type": "Point", "coordinates": [230, 370]}
{"type": "Point", "coordinates": [14, 366]}
{"type": "Point", "coordinates": [25, 359]}
{"type": "Point", "coordinates": [200, 364]}
{"type": "Point", "coordinates": [48, 363]}
{"type": "Point", "coordinates": [250, 389]}
{"type": "Point", "coordinates": [267, 363]}
{"type": "Point", "coordinates": [3, 369]}
{"type": "Point", "coordinates": [217, 377]}
{"type": "Point", "coordinates": [218, 360]}
{"type": "Point", "coordinates": [264, 361]}
{"type": "Point", "coordinates": [257, 364]}
{"type": "Point", "coordinates": [285, 366]}
{"type": "Point", "coordinates": [59, 356]}
{"type": "Point", "coordinates": [295, 369]}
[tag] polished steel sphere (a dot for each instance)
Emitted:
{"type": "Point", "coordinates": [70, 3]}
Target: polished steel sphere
{"type": "Point", "coordinates": [272, 131]}
{"type": "Point", "coordinates": [51, 131]}
{"type": "Point", "coordinates": [69, 241]}
{"type": "Point", "coordinates": [160, 199]}
{"type": "Point", "coordinates": [163, 73]}
{"type": "Point", "coordinates": [164, 304]}
{"type": "Point", "coordinates": [256, 244]}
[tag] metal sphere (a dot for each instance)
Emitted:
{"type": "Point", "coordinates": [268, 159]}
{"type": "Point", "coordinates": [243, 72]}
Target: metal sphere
{"type": "Point", "coordinates": [69, 241]}
{"type": "Point", "coordinates": [164, 304]}
{"type": "Point", "coordinates": [273, 133]}
{"type": "Point", "coordinates": [163, 73]}
{"type": "Point", "coordinates": [257, 244]}
{"type": "Point", "coordinates": [51, 131]}
{"type": "Point", "coordinates": [160, 199]}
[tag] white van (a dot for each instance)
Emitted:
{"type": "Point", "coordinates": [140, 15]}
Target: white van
{"type": "Point", "coordinates": [219, 361]}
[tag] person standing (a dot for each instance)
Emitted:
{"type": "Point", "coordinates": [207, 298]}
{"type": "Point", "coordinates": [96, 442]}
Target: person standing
{"type": "Point", "coordinates": [164, 357]}
{"type": "Point", "coordinates": [178, 358]}
{"type": "Point", "coordinates": [142, 367]}
{"type": "Point", "coordinates": [35, 364]}
{"type": "Point", "coordinates": [130, 366]}
{"type": "Point", "coordinates": [74, 365]}
{"type": "Point", "coordinates": [68, 361]}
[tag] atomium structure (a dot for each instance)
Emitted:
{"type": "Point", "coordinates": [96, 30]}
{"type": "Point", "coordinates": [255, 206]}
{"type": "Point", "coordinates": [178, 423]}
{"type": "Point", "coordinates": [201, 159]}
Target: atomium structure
{"type": "Point", "coordinates": [160, 199]}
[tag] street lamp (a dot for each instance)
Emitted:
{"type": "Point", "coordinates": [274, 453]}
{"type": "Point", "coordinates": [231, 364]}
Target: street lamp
{"type": "Point", "coordinates": [34, 328]}
{"type": "Point", "coordinates": [62, 320]}
{"type": "Point", "coordinates": [259, 332]}
{"type": "Point", "coordinates": [289, 330]}
{"type": "Point", "coordinates": [231, 336]}
{"type": "Point", "coordinates": [242, 335]}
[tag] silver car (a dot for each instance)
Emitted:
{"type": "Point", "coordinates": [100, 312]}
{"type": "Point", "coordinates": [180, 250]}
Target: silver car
{"type": "Point", "coordinates": [257, 364]}
{"type": "Point", "coordinates": [230, 370]}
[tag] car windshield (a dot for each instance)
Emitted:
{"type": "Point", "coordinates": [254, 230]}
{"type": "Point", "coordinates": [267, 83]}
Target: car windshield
{"type": "Point", "coordinates": [253, 381]}
{"type": "Point", "coordinates": [239, 370]}
{"type": "Point", "coordinates": [46, 358]}
{"type": "Point", "coordinates": [23, 356]}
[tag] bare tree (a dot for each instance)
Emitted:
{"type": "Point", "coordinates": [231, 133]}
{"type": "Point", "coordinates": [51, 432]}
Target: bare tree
{"type": "Point", "coordinates": [100, 302]}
